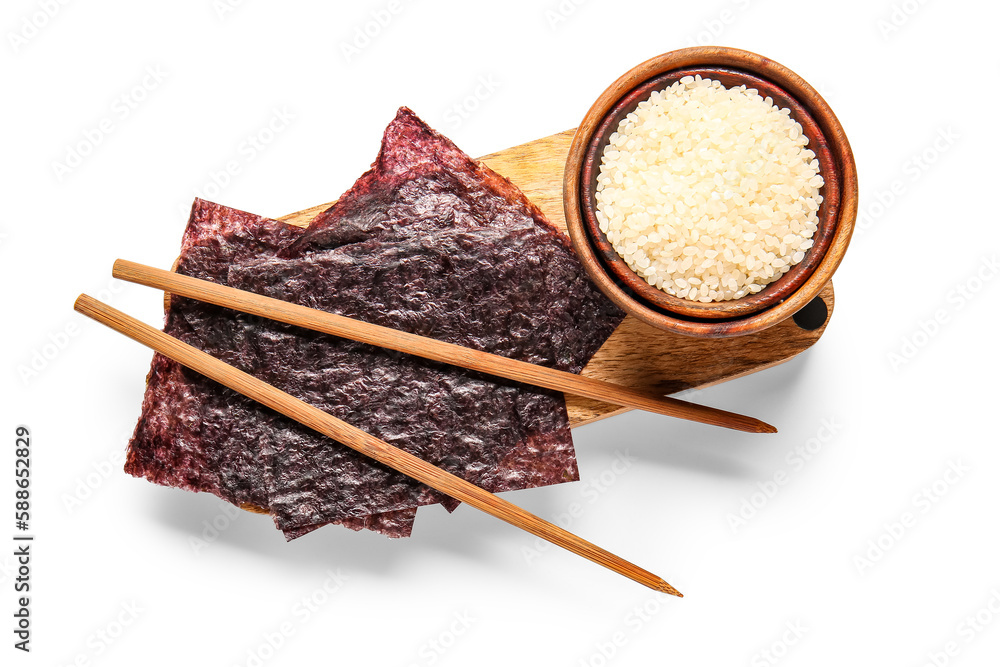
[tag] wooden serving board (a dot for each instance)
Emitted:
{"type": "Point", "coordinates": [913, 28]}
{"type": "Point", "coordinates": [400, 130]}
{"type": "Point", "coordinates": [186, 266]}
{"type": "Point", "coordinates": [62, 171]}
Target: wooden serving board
{"type": "Point", "coordinates": [637, 355]}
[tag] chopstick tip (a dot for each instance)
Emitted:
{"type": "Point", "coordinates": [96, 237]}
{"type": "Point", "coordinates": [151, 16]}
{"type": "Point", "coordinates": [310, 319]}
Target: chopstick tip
{"type": "Point", "coordinates": [664, 587]}
{"type": "Point", "coordinates": [747, 424]}
{"type": "Point", "coordinates": [764, 427]}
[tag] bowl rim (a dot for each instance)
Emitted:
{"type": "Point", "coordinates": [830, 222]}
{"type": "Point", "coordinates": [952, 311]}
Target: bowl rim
{"type": "Point", "coordinates": [784, 284]}
{"type": "Point", "coordinates": [762, 67]}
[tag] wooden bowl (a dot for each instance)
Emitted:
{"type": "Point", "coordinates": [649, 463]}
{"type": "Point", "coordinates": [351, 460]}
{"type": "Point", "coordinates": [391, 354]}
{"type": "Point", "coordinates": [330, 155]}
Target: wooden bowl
{"type": "Point", "coordinates": [773, 293]}
{"type": "Point", "coordinates": [792, 290]}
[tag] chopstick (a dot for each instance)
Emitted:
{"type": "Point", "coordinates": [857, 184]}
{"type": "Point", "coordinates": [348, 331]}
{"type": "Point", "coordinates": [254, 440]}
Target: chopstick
{"type": "Point", "coordinates": [429, 348]}
{"type": "Point", "coordinates": [356, 439]}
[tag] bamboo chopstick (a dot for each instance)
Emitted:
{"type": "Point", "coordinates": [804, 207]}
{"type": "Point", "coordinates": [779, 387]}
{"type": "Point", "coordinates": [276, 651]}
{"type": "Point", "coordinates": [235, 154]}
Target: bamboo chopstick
{"type": "Point", "coordinates": [429, 348]}
{"type": "Point", "coordinates": [356, 439]}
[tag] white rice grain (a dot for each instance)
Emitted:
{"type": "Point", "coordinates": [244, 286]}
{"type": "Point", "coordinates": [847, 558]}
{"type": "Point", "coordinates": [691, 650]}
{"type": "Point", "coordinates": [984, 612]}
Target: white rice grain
{"type": "Point", "coordinates": [709, 193]}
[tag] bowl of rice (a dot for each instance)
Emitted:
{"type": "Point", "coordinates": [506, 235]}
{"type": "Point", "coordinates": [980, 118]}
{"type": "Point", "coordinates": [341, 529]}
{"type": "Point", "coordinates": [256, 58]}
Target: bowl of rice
{"type": "Point", "coordinates": [710, 191]}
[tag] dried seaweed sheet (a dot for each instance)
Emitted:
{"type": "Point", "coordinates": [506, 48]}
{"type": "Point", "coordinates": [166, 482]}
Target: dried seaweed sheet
{"type": "Point", "coordinates": [428, 241]}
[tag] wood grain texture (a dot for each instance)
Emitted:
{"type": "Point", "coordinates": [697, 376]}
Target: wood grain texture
{"type": "Point", "coordinates": [360, 441]}
{"type": "Point", "coordinates": [637, 355]}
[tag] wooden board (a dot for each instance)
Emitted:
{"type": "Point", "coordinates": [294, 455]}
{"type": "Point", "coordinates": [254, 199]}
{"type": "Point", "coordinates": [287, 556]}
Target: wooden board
{"type": "Point", "coordinates": [637, 355]}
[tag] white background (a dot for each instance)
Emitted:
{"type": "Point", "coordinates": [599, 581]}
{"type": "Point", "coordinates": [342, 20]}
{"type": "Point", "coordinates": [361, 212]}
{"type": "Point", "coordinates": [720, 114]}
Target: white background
{"type": "Point", "coordinates": [826, 554]}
